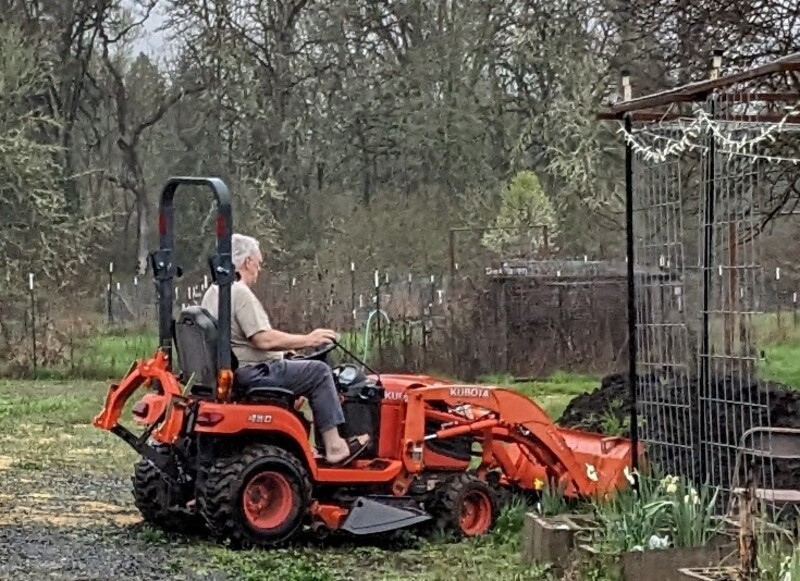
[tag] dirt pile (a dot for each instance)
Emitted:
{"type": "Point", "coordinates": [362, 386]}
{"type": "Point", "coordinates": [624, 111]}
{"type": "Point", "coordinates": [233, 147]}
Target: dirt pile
{"type": "Point", "coordinates": [679, 436]}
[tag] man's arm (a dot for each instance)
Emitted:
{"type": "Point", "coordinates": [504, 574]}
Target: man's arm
{"type": "Point", "coordinates": [254, 322]}
{"type": "Point", "coordinates": [274, 340]}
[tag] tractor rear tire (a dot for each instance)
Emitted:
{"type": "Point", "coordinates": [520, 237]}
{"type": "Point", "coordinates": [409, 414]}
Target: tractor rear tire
{"type": "Point", "coordinates": [465, 506]}
{"type": "Point", "coordinates": [255, 498]}
{"type": "Point", "coordinates": [151, 497]}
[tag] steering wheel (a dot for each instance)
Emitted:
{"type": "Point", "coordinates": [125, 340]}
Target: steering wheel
{"type": "Point", "coordinates": [318, 355]}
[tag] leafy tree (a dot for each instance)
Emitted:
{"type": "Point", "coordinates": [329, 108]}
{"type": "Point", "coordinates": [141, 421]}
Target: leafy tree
{"type": "Point", "coordinates": [37, 233]}
{"type": "Point", "coordinates": [526, 217]}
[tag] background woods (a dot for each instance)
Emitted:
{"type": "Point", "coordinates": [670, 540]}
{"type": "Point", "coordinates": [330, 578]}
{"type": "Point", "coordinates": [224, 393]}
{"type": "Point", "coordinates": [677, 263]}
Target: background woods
{"type": "Point", "coordinates": [350, 130]}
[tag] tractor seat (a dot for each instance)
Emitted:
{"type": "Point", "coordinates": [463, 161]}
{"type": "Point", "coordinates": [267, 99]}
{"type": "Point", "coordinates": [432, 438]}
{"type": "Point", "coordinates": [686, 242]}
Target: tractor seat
{"type": "Point", "coordinates": [245, 391]}
{"type": "Point", "coordinates": [196, 343]}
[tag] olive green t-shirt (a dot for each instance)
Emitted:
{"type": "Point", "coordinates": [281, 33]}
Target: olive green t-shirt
{"type": "Point", "coordinates": [248, 317]}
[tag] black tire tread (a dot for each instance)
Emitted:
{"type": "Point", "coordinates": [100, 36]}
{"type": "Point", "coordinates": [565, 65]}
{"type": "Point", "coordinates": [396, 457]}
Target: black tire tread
{"type": "Point", "coordinates": [446, 507]}
{"type": "Point", "coordinates": [149, 490]}
{"type": "Point", "coordinates": [218, 498]}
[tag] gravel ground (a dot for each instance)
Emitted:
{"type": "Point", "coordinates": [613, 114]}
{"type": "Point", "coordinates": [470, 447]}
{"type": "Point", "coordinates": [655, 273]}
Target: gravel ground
{"type": "Point", "coordinates": [74, 526]}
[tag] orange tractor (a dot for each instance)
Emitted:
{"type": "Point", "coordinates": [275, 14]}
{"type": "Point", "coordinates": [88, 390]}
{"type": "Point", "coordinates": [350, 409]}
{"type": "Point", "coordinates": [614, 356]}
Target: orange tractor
{"type": "Point", "coordinates": [238, 459]}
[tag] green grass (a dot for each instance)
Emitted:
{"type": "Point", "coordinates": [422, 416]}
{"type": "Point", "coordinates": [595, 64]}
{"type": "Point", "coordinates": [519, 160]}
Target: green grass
{"type": "Point", "coordinates": [47, 424]}
{"type": "Point", "coordinates": [494, 556]}
{"type": "Point", "coordinates": [782, 351]}
{"type": "Point", "coordinates": [107, 355]}
{"type": "Point", "coordinates": [783, 364]}
{"type": "Point", "coordinates": [778, 339]}
{"type": "Point", "coordinates": [553, 394]}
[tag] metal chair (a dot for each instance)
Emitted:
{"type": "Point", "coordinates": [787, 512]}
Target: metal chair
{"type": "Point", "coordinates": [768, 443]}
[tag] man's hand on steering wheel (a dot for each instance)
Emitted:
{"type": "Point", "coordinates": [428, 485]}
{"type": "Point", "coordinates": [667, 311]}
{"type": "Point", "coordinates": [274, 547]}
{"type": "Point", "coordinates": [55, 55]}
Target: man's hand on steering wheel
{"type": "Point", "coordinates": [321, 341]}
{"type": "Point", "coordinates": [319, 337]}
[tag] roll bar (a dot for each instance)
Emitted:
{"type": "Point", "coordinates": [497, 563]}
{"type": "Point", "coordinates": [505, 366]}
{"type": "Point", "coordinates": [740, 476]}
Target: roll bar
{"type": "Point", "coordinates": [164, 270]}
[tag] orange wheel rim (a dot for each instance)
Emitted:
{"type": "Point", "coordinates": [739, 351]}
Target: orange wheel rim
{"type": "Point", "coordinates": [267, 500]}
{"type": "Point", "coordinates": [476, 513]}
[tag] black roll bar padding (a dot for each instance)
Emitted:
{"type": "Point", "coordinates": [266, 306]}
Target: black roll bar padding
{"type": "Point", "coordinates": [164, 270]}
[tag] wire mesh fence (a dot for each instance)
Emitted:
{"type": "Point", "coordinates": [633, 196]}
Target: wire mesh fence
{"type": "Point", "coordinates": [709, 174]}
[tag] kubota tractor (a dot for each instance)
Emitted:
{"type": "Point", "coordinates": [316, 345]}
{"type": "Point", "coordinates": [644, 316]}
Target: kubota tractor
{"type": "Point", "coordinates": [238, 460]}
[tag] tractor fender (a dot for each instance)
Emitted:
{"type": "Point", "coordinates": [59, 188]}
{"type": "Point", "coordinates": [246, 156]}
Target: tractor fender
{"type": "Point", "coordinates": [230, 419]}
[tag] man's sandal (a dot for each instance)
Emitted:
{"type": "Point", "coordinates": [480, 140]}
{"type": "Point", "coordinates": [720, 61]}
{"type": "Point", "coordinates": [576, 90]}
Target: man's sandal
{"type": "Point", "coordinates": [355, 448]}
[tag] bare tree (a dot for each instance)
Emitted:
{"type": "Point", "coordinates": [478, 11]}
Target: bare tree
{"type": "Point", "coordinates": [132, 120]}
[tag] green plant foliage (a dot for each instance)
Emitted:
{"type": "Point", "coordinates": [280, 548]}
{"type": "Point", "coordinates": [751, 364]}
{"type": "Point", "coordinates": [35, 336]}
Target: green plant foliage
{"type": "Point", "coordinates": [552, 500]}
{"type": "Point", "coordinates": [525, 210]}
{"type": "Point", "coordinates": [666, 512]}
{"type": "Point", "coordinates": [284, 564]}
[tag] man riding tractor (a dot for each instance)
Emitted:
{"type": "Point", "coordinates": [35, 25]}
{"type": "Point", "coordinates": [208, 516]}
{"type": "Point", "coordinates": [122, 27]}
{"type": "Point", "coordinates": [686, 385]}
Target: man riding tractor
{"type": "Point", "coordinates": [260, 351]}
{"type": "Point", "coordinates": [226, 448]}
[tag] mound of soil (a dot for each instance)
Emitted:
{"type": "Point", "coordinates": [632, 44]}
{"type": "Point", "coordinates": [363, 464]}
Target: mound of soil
{"type": "Point", "coordinates": [672, 425]}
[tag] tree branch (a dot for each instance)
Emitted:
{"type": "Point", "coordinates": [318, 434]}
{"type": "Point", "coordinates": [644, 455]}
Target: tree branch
{"type": "Point", "coordinates": [162, 109]}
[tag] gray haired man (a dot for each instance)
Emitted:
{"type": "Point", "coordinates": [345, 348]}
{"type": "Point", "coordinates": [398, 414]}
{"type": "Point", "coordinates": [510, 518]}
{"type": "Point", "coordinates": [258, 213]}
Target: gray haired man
{"type": "Point", "coordinates": [260, 350]}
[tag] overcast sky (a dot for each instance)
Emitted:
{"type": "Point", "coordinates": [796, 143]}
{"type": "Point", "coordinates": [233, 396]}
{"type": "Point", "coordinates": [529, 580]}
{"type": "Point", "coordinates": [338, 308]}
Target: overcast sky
{"type": "Point", "coordinates": [152, 42]}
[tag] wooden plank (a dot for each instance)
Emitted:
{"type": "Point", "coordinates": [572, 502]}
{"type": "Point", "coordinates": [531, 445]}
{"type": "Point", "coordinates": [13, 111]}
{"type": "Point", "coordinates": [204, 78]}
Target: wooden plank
{"type": "Point", "coordinates": [700, 89]}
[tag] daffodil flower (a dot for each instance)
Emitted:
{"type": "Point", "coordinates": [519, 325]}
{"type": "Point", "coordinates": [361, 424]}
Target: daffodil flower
{"type": "Point", "coordinates": [629, 476]}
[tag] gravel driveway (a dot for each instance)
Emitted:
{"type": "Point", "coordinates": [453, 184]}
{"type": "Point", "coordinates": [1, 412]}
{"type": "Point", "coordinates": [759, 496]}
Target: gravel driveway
{"type": "Point", "coordinates": [73, 526]}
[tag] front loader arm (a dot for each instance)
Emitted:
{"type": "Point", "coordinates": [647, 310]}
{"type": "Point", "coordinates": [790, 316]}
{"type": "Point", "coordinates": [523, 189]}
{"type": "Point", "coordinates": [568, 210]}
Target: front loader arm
{"type": "Point", "coordinates": [508, 420]}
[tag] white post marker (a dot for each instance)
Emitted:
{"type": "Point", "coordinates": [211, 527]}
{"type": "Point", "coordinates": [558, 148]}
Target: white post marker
{"type": "Point", "coordinates": [205, 281]}
{"type": "Point", "coordinates": [110, 267]}
{"type": "Point", "coordinates": [118, 287]}
{"type": "Point", "coordinates": [135, 281]}
{"type": "Point", "coordinates": [377, 279]}
{"type": "Point", "coordinates": [778, 273]}
{"type": "Point", "coordinates": [30, 281]}
{"type": "Point", "coordinates": [352, 267]}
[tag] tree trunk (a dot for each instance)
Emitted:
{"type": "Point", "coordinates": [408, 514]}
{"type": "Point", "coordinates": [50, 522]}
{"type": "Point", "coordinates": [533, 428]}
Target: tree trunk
{"type": "Point", "coordinates": [142, 230]}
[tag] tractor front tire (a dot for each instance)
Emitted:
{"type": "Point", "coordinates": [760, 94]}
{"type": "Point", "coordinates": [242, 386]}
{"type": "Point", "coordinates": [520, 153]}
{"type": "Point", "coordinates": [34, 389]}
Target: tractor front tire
{"type": "Point", "coordinates": [465, 506]}
{"type": "Point", "coordinates": [151, 497]}
{"type": "Point", "coordinates": [257, 497]}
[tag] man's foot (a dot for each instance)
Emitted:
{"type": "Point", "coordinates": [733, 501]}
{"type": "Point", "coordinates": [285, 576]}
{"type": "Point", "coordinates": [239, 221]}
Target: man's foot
{"type": "Point", "coordinates": [349, 450]}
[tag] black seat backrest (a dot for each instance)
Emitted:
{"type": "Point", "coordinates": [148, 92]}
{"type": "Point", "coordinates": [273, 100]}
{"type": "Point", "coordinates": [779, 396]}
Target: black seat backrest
{"type": "Point", "coordinates": [196, 342]}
